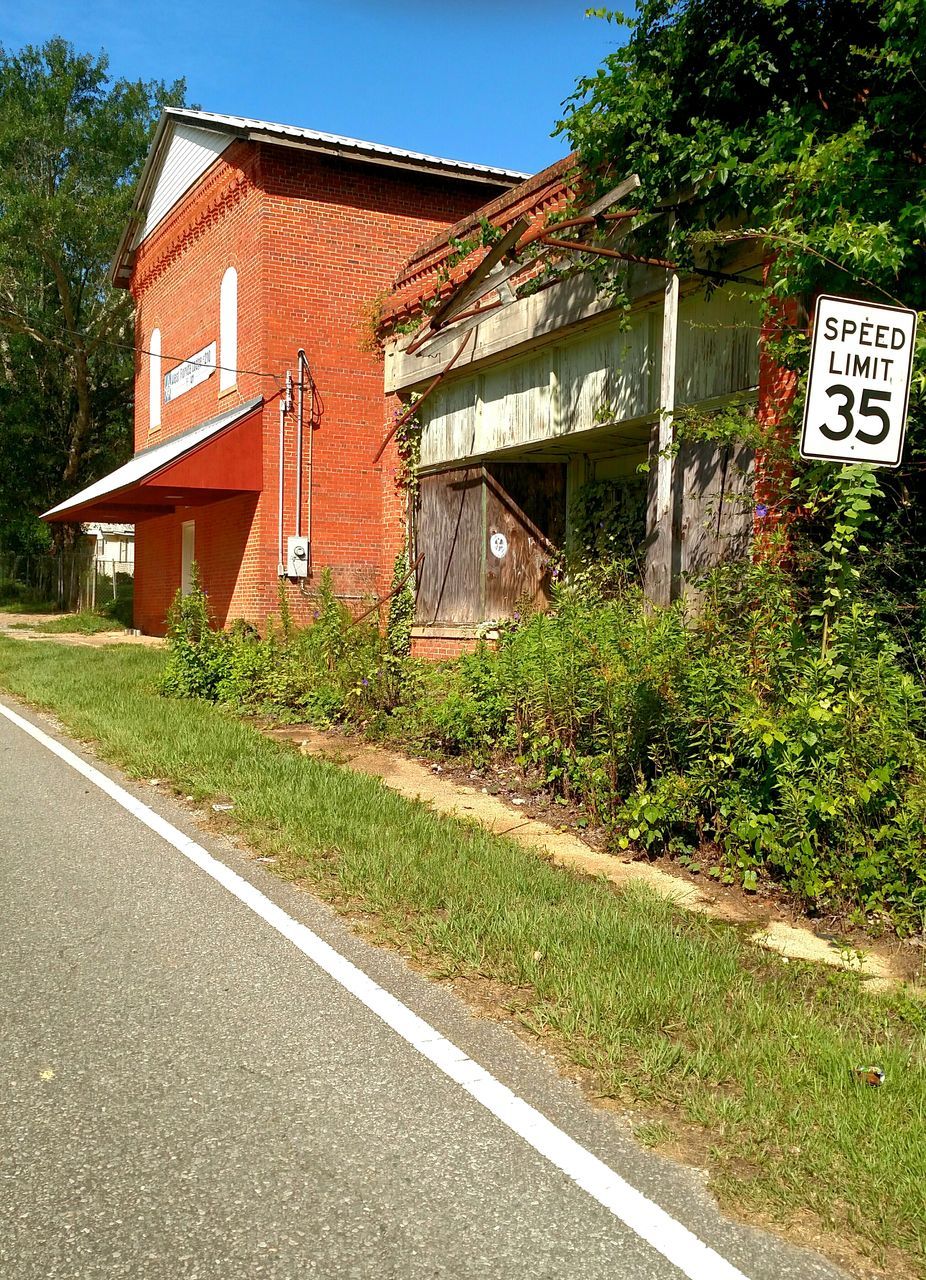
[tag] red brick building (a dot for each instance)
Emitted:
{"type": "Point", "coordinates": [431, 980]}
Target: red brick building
{"type": "Point", "coordinates": [250, 243]}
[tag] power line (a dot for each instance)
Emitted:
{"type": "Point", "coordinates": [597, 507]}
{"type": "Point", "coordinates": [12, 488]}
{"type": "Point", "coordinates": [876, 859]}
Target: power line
{"type": "Point", "coordinates": [145, 351]}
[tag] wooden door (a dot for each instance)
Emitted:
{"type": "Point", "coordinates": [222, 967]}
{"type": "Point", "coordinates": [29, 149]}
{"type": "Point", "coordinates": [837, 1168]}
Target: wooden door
{"type": "Point", "coordinates": [483, 557]}
{"type": "Point", "coordinates": [517, 556]}
{"type": "Point", "coordinates": [449, 529]}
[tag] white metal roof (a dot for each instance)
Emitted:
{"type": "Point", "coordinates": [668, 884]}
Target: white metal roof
{"type": "Point", "coordinates": [341, 145]}
{"type": "Point", "coordinates": [154, 198]}
{"type": "Point", "coordinates": [151, 460]}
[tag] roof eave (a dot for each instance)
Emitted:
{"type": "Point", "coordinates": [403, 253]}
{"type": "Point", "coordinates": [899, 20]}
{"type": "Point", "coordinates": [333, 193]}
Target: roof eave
{"type": "Point", "coordinates": [342, 152]}
{"type": "Point", "coordinates": [74, 509]}
{"type": "Point", "coordinates": [120, 271]}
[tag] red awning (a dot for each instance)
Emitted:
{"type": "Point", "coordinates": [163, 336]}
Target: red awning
{"type": "Point", "coordinates": [215, 460]}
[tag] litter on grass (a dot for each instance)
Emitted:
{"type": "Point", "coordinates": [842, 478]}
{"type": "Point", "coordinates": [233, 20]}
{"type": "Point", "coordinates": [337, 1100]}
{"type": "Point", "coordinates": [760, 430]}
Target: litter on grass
{"type": "Point", "coordinates": [873, 1076]}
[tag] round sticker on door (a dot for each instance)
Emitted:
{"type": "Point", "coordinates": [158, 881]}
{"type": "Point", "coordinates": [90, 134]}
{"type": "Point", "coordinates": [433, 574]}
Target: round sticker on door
{"type": "Point", "coordinates": [499, 545]}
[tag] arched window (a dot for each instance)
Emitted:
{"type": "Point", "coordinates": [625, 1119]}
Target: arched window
{"type": "Point", "coordinates": [228, 329]}
{"type": "Point", "coordinates": [154, 380]}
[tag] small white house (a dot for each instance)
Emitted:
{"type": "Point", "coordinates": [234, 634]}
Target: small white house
{"type": "Point", "coordinates": [115, 547]}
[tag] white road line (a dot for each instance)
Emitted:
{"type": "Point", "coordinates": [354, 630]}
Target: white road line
{"type": "Point", "coordinates": [676, 1243]}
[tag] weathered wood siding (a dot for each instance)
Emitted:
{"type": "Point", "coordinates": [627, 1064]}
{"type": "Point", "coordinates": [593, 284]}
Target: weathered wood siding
{"type": "Point", "coordinates": [516, 404]}
{"type": "Point", "coordinates": [449, 532]}
{"type": "Point", "coordinates": [712, 516]}
{"type": "Point", "coordinates": [539, 490]}
{"type": "Point", "coordinates": [608, 374]}
{"type": "Point", "coordinates": [461, 580]}
{"type": "Point", "coordinates": [714, 506]}
{"type": "Point", "coordinates": [718, 345]}
{"type": "Point", "coordinates": [522, 576]}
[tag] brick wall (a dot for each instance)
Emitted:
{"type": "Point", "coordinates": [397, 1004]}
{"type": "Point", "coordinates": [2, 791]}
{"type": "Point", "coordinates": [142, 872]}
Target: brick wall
{"type": "Point", "coordinates": [443, 648]}
{"type": "Point", "coordinates": [224, 549]}
{"type": "Point", "coordinates": [336, 234]}
{"type": "Point", "coordinates": [315, 242]}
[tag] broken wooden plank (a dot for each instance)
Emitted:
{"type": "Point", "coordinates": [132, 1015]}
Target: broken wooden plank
{"type": "Point", "coordinates": [581, 246]}
{"type": "Point", "coordinates": [467, 291]}
{"type": "Point", "coordinates": [603, 203]}
{"type": "Point", "coordinates": [496, 280]}
{"type": "Point", "coordinates": [491, 275]}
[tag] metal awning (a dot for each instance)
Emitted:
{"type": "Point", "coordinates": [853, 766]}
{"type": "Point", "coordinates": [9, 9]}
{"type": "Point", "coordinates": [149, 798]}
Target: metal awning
{"type": "Point", "coordinates": [215, 460]}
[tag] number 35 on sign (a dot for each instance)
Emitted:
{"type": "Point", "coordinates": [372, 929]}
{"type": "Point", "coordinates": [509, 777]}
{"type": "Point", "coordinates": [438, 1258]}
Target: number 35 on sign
{"type": "Point", "coordinates": [859, 383]}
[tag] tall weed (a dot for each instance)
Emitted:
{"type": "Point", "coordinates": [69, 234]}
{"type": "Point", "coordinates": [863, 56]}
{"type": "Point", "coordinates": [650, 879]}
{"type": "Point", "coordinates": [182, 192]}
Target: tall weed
{"type": "Point", "coordinates": [740, 732]}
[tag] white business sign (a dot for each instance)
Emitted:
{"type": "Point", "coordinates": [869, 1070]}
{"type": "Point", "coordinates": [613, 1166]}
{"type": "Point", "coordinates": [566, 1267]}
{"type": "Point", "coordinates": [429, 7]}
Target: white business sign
{"type": "Point", "coordinates": [859, 383]}
{"type": "Point", "coordinates": [189, 373]}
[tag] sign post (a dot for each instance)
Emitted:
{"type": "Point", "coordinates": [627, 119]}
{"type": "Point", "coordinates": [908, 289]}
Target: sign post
{"type": "Point", "coordinates": [859, 382]}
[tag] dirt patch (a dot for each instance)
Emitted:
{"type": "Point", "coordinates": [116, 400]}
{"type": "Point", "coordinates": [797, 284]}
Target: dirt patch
{"type": "Point", "coordinates": [20, 626]}
{"type": "Point", "coordinates": [882, 966]}
{"type": "Point", "coordinates": [8, 620]}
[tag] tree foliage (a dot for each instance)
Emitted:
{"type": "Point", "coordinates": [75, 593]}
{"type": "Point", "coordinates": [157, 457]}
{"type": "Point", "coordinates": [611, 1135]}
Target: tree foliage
{"type": "Point", "coordinates": [805, 116]}
{"type": "Point", "coordinates": [799, 126]}
{"type": "Point", "coordinates": [72, 142]}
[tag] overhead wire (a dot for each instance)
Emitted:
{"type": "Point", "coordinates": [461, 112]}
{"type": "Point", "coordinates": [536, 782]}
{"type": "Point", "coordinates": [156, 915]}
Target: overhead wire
{"type": "Point", "coordinates": [146, 351]}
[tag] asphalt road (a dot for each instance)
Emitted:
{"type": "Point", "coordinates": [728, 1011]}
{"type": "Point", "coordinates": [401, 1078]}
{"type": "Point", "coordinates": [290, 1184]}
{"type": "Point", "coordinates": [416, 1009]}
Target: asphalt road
{"type": "Point", "coordinates": [186, 1095]}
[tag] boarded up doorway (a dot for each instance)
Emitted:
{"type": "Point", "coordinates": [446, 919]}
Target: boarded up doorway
{"type": "Point", "coordinates": [487, 533]}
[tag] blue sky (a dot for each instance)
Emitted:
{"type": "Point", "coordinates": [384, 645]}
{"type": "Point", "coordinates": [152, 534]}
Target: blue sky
{"type": "Point", "coordinates": [477, 80]}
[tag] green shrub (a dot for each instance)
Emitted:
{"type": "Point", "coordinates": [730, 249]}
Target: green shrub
{"type": "Point", "coordinates": [120, 609]}
{"type": "Point", "coordinates": [736, 729]}
{"type": "Point", "coordinates": [776, 743]}
{"type": "Point", "coordinates": [333, 670]}
{"type": "Point", "coordinates": [199, 655]}
{"type": "Point", "coordinates": [805, 761]}
{"type": "Point", "coordinates": [607, 520]}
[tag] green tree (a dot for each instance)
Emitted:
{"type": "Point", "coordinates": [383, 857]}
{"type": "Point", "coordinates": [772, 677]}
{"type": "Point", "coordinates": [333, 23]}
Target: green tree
{"type": "Point", "coordinates": [805, 116]}
{"type": "Point", "coordinates": [798, 125]}
{"type": "Point", "coordinates": [72, 142]}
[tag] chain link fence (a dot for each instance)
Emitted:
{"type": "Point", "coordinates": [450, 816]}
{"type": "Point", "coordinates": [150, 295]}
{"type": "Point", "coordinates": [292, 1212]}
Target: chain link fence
{"type": "Point", "coordinates": [71, 581]}
{"type": "Point", "coordinates": [112, 589]}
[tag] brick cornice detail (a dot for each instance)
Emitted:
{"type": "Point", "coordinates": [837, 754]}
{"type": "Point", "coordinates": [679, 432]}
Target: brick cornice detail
{"type": "Point", "coordinates": [182, 231]}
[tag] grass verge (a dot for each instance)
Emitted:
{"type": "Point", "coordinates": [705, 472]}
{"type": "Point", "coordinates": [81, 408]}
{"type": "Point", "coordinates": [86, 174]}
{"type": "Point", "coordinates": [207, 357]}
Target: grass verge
{"type": "Point", "coordinates": [29, 604]}
{"type": "Point", "coordinates": [86, 624]}
{"type": "Point", "coordinates": [667, 1011]}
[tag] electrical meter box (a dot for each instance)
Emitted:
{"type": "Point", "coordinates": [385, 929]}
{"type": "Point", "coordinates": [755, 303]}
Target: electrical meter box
{"type": "Point", "coordinates": [297, 558]}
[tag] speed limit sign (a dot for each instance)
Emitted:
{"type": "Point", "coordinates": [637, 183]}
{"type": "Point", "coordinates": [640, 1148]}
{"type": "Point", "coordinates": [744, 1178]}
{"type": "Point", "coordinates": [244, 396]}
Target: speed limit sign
{"type": "Point", "coordinates": [859, 383]}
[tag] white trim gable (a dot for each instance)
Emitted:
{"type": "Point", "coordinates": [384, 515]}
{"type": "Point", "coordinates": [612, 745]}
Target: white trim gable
{"type": "Point", "coordinates": [189, 154]}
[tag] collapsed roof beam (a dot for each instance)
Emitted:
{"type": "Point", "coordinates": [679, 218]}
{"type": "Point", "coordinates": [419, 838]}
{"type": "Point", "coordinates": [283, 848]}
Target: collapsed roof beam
{"type": "Point", "coordinates": [467, 291]}
{"type": "Point", "coordinates": [491, 275]}
{"type": "Point", "coordinates": [580, 246]}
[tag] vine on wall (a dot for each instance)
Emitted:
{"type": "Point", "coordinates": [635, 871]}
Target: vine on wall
{"type": "Point", "coordinates": [608, 520]}
{"type": "Point", "coordinates": [408, 443]}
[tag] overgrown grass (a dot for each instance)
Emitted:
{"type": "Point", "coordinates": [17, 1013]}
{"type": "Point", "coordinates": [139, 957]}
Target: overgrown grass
{"type": "Point", "coordinates": [28, 604]}
{"type": "Point", "coordinates": [669, 1011]}
{"type": "Point", "coordinates": [752, 737]}
{"type": "Point", "coordinates": [86, 623]}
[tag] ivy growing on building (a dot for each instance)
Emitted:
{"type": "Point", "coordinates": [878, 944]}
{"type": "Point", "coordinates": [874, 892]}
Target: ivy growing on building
{"type": "Point", "coordinates": [608, 520]}
{"type": "Point", "coordinates": [795, 126]}
{"type": "Point", "coordinates": [408, 444]}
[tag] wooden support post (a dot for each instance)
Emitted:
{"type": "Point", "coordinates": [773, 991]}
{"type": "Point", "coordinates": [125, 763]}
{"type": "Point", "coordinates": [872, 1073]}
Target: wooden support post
{"type": "Point", "coordinates": [660, 560]}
